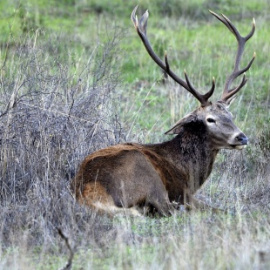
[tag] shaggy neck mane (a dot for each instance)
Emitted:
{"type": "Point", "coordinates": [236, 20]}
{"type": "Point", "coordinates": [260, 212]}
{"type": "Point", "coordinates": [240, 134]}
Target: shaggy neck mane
{"type": "Point", "coordinates": [191, 152]}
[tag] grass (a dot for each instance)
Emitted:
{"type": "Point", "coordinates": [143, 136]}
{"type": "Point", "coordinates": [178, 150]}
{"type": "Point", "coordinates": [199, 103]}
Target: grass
{"type": "Point", "coordinates": [192, 241]}
{"type": "Point", "coordinates": [74, 78]}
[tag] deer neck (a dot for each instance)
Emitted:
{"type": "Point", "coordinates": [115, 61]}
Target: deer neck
{"type": "Point", "coordinates": [191, 152]}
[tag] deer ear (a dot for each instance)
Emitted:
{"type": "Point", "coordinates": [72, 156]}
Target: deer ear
{"type": "Point", "coordinates": [184, 121]}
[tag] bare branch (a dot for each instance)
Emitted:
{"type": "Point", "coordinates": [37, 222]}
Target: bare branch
{"type": "Point", "coordinates": [71, 253]}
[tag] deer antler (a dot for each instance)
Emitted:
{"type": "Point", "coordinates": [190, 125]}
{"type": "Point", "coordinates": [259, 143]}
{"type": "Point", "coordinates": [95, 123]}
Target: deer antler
{"type": "Point", "coordinates": [141, 26]}
{"type": "Point", "coordinates": [229, 93]}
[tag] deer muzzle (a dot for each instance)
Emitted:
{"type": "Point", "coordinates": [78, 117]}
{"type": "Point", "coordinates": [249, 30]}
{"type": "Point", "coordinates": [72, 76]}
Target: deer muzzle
{"type": "Point", "coordinates": [241, 141]}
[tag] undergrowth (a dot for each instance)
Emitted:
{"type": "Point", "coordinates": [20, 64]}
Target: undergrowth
{"type": "Point", "coordinates": [64, 96]}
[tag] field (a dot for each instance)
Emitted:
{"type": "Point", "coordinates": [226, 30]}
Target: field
{"type": "Point", "coordinates": [74, 77]}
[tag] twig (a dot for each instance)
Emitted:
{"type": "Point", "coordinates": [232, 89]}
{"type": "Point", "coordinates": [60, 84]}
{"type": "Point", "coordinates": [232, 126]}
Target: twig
{"type": "Point", "coordinates": [71, 252]}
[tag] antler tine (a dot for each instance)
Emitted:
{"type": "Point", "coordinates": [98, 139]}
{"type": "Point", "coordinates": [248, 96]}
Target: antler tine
{"type": "Point", "coordinates": [205, 97]}
{"type": "Point", "coordinates": [141, 27]}
{"type": "Point", "coordinates": [228, 93]}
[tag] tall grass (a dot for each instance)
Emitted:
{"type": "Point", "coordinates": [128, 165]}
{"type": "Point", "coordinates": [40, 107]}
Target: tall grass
{"type": "Point", "coordinates": [64, 96]}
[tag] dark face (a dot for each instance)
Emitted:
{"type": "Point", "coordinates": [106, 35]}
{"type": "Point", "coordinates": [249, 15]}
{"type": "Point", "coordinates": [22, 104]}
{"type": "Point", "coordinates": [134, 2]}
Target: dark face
{"type": "Point", "coordinates": [223, 132]}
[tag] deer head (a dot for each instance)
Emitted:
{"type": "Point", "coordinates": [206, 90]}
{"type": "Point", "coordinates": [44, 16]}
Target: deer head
{"type": "Point", "coordinates": [215, 117]}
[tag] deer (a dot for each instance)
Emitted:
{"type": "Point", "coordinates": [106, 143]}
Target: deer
{"type": "Point", "coordinates": [142, 179]}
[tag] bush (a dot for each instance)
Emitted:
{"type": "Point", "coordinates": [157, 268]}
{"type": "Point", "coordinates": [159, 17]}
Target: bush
{"type": "Point", "coordinates": [51, 118]}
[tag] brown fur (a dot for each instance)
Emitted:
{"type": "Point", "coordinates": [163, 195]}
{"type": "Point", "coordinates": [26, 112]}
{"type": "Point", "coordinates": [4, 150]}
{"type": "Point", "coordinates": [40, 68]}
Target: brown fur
{"type": "Point", "coordinates": [156, 177]}
{"type": "Point", "coordinates": [93, 183]}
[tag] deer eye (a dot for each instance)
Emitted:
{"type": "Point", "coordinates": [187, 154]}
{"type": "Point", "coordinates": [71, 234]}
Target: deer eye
{"type": "Point", "coordinates": [211, 120]}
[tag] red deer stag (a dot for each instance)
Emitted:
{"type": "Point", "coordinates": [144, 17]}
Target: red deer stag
{"type": "Point", "coordinates": [159, 177]}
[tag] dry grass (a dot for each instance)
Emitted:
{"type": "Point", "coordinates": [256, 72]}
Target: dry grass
{"type": "Point", "coordinates": [53, 113]}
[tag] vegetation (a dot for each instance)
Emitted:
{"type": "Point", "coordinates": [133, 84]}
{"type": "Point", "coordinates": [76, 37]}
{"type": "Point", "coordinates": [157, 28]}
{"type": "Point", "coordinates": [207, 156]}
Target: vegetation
{"type": "Point", "coordinates": [74, 78]}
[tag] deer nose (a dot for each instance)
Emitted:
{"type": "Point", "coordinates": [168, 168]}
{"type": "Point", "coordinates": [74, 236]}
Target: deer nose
{"type": "Point", "coordinates": [242, 138]}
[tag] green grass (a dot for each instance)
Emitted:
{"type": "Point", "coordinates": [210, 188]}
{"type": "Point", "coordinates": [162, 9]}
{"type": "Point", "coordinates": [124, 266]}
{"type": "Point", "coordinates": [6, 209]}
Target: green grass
{"type": "Point", "coordinates": [193, 241]}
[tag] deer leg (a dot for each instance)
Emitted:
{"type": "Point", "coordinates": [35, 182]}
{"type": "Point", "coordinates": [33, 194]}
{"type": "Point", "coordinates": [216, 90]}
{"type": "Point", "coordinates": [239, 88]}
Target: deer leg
{"type": "Point", "coordinates": [163, 208]}
{"type": "Point", "coordinates": [159, 199]}
{"type": "Point", "coordinates": [195, 204]}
